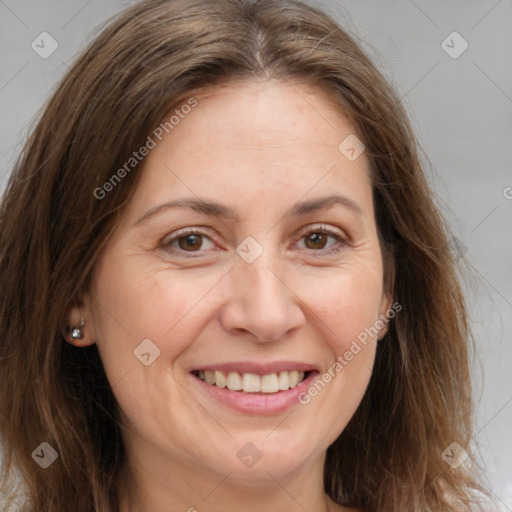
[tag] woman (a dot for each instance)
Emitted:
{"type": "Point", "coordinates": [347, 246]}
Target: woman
{"type": "Point", "coordinates": [225, 283]}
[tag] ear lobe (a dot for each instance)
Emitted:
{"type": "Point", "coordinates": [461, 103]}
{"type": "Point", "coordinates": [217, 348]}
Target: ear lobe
{"type": "Point", "coordinates": [383, 331]}
{"type": "Point", "coordinates": [384, 312]}
{"type": "Point", "coordinates": [77, 328]}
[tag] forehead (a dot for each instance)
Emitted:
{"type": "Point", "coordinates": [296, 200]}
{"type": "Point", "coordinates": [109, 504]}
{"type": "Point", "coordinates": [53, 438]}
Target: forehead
{"type": "Point", "coordinates": [254, 142]}
{"type": "Point", "coordinates": [257, 115]}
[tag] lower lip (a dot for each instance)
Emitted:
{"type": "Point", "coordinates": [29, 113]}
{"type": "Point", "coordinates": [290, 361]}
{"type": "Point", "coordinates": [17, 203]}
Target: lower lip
{"type": "Point", "coordinates": [257, 403]}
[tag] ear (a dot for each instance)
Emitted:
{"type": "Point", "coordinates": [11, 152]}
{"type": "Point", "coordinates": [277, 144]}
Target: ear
{"type": "Point", "coordinates": [385, 309]}
{"type": "Point", "coordinates": [78, 316]}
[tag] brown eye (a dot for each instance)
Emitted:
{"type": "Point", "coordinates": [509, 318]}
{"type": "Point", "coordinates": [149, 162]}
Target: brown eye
{"type": "Point", "coordinates": [187, 241]}
{"type": "Point", "coordinates": [190, 242]}
{"type": "Point", "coordinates": [323, 240]}
{"type": "Point", "coordinates": [316, 240]}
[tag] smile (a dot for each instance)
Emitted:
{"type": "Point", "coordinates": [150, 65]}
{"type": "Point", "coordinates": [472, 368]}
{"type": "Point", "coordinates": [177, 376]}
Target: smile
{"type": "Point", "coordinates": [252, 382]}
{"type": "Point", "coordinates": [254, 388]}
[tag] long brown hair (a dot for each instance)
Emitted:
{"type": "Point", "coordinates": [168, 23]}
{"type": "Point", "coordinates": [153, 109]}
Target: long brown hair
{"type": "Point", "coordinates": [146, 62]}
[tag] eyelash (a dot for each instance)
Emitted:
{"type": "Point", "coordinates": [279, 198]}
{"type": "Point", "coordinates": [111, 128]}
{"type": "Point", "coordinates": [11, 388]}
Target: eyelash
{"type": "Point", "coordinates": [183, 233]}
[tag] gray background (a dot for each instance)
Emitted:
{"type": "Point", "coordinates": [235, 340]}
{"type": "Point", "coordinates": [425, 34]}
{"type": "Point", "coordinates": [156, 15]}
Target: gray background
{"type": "Point", "coordinates": [460, 107]}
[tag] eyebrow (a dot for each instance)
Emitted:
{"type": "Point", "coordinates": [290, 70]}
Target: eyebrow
{"type": "Point", "coordinates": [213, 209]}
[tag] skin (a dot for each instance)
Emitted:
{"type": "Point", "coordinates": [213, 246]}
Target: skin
{"type": "Point", "coordinates": [257, 147]}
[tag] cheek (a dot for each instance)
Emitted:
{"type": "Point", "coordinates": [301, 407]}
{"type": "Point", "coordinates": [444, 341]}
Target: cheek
{"type": "Point", "coordinates": [346, 305]}
{"type": "Point", "coordinates": [347, 301]}
{"type": "Point", "coordinates": [135, 303]}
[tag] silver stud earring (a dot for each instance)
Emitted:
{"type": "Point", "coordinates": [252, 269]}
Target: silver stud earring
{"type": "Point", "coordinates": [77, 333]}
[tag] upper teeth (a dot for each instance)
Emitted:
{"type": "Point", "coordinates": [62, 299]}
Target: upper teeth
{"type": "Point", "coordinates": [251, 383]}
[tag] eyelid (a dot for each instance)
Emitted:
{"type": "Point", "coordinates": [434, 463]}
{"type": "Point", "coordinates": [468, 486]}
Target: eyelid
{"type": "Point", "coordinates": [322, 228]}
{"type": "Point", "coordinates": [336, 233]}
{"type": "Point", "coordinates": [181, 233]}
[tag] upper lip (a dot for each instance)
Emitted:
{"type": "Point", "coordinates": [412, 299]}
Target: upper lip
{"type": "Point", "coordinates": [257, 368]}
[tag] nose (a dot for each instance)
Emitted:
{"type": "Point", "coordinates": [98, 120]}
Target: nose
{"type": "Point", "coordinates": [261, 303]}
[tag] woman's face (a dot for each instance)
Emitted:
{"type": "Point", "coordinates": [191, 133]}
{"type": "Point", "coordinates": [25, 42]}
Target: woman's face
{"type": "Point", "coordinates": [278, 278]}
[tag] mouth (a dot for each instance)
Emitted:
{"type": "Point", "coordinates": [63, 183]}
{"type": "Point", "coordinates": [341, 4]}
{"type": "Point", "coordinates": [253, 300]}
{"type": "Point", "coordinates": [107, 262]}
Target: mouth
{"type": "Point", "coordinates": [255, 389]}
{"type": "Point", "coordinates": [252, 382]}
